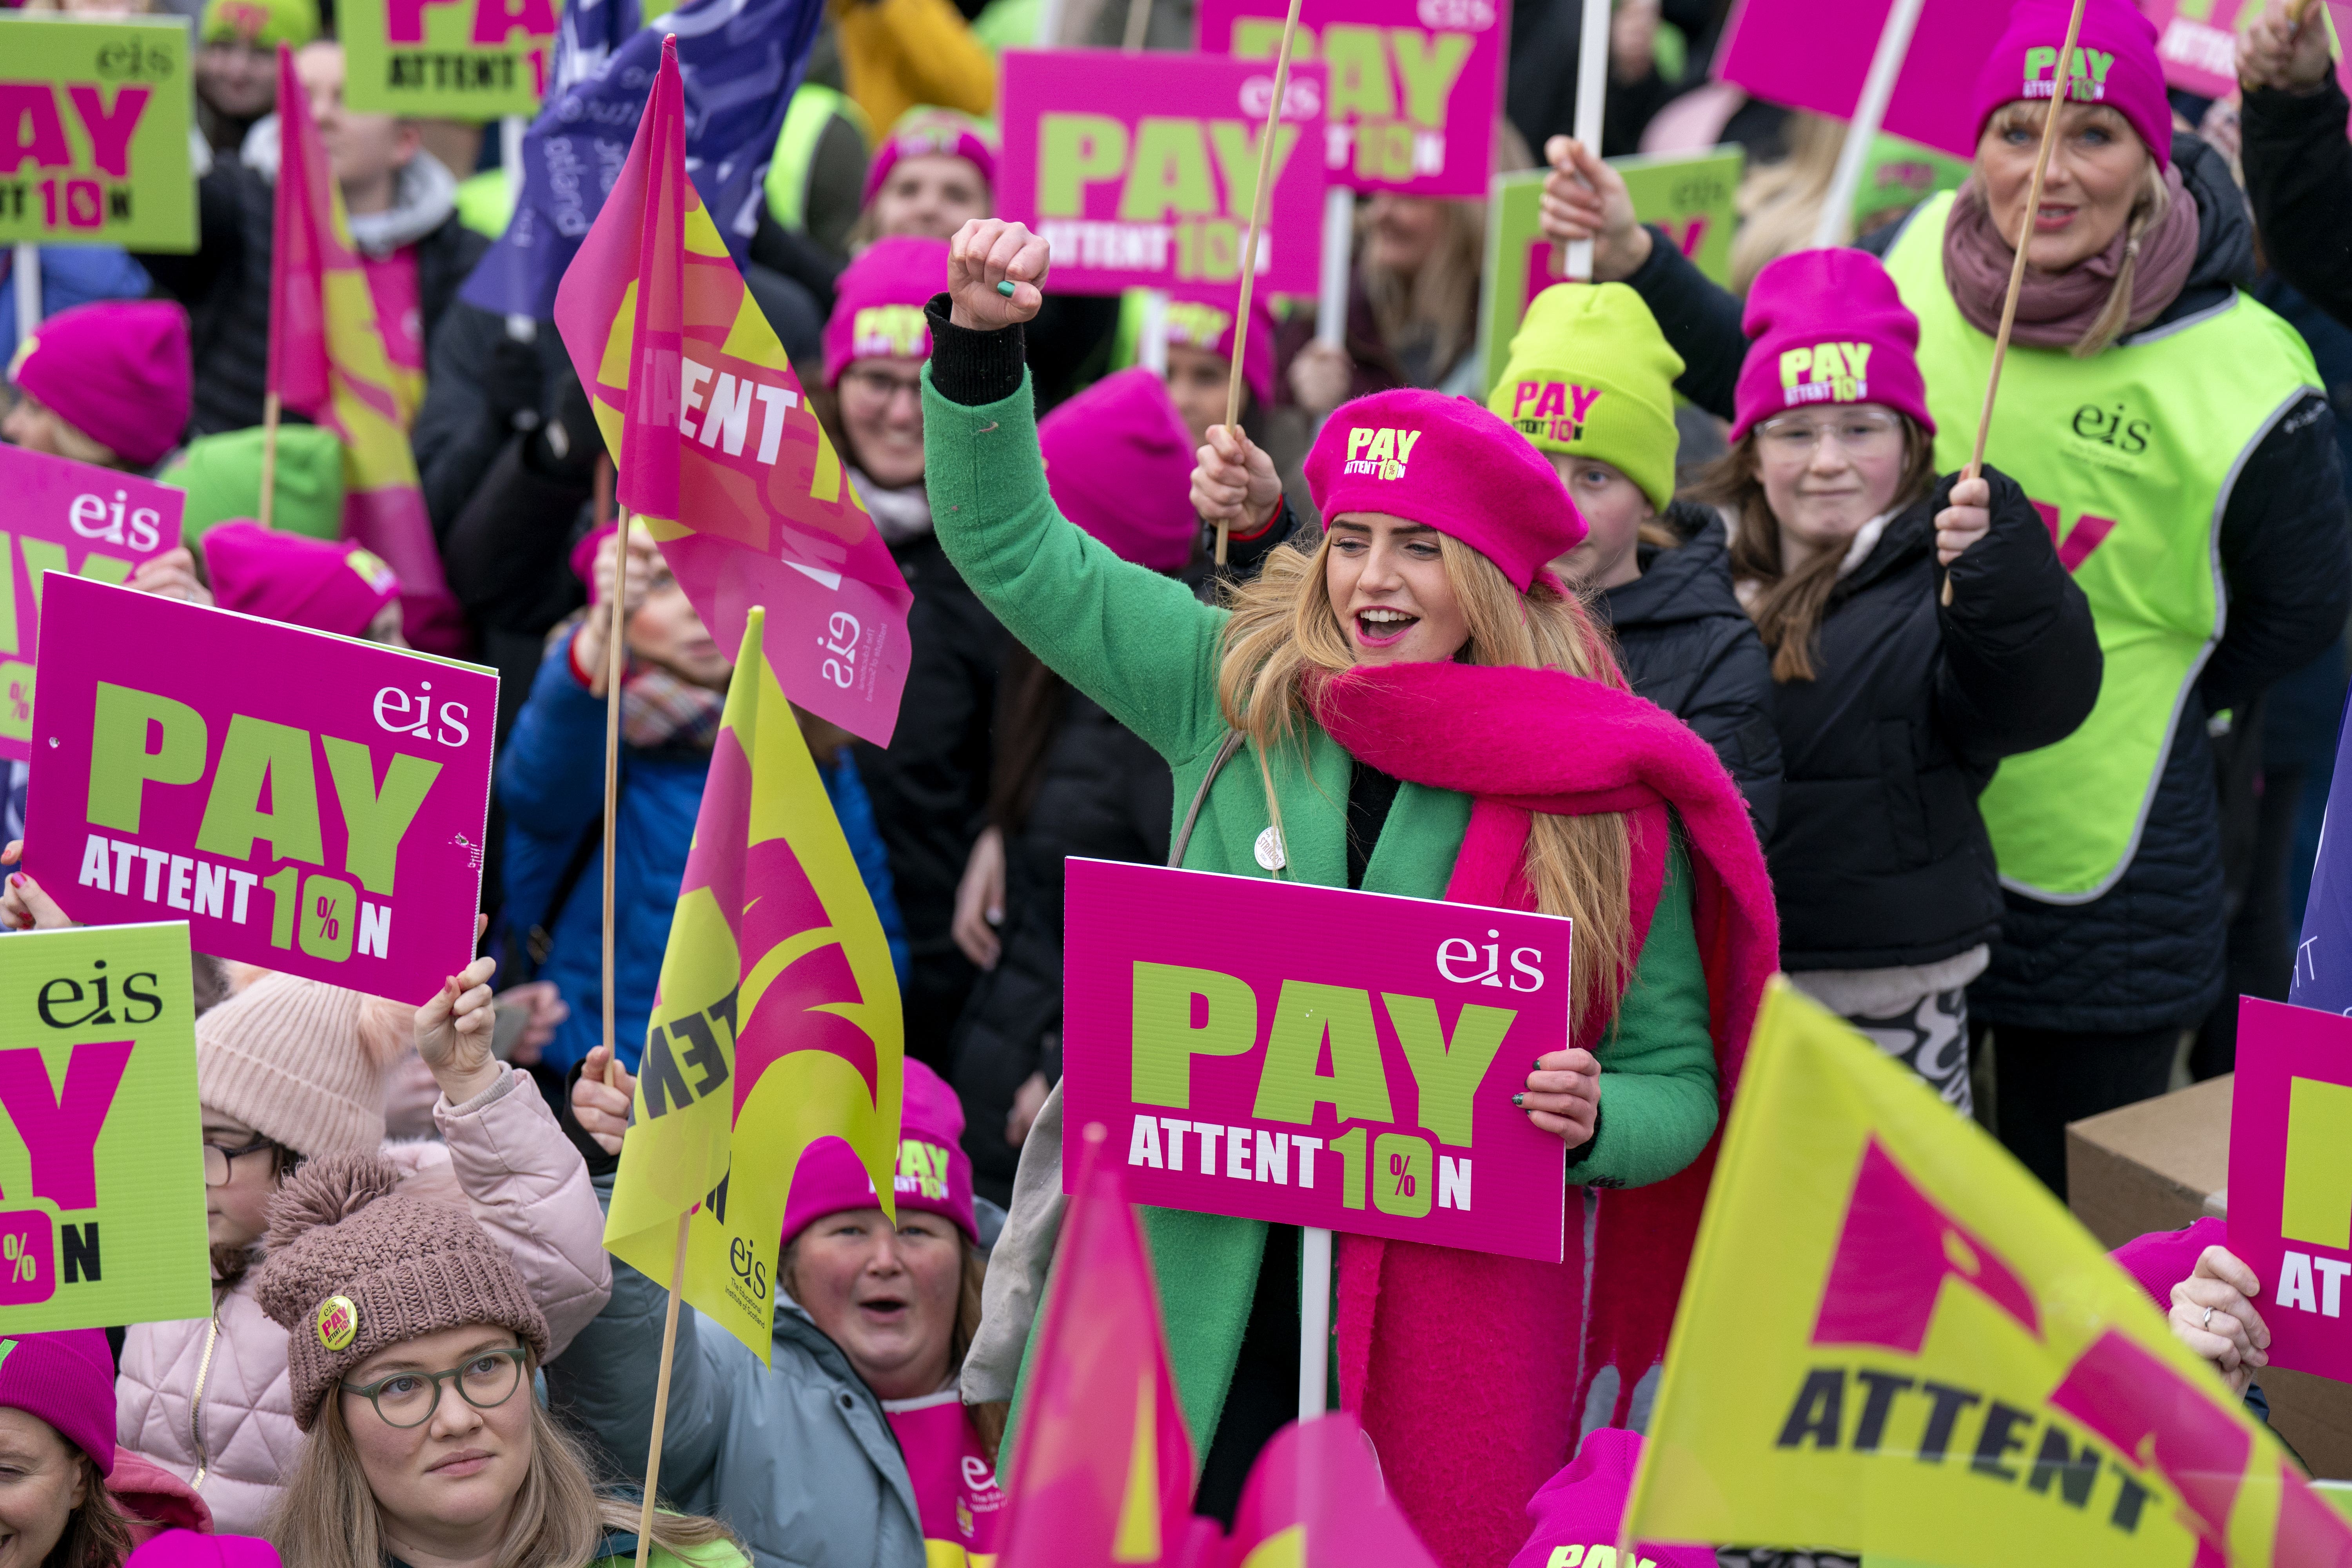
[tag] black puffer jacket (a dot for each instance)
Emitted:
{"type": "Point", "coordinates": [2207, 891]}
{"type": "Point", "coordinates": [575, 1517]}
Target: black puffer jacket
{"type": "Point", "coordinates": [2299, 178]}
{"type": "Point", "coordinates": [929, 786]}
{"type": "Point", "coordinates": [1102, 794]}
{"type": "Point", "coordinates": [1881, 857]}
{"type": "Point", "coordinates": [1685, 644]}
{"type": "Point", "coordinates": [2150, 952]}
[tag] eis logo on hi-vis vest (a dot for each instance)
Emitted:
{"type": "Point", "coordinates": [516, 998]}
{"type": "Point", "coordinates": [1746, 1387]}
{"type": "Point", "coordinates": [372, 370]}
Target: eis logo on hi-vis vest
{"type": "Point", "coordinates": [1826, 372]}
{"type": "Point", "coordinates": [1380, 451]}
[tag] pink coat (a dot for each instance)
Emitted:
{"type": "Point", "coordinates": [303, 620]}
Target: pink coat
{"type": "Point", "coordinates": [207, 1399]}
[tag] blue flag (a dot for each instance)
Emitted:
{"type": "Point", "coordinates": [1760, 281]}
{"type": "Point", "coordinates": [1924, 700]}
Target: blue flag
{"type": "Point", "coordinates": [2323, 958]}
{"type": "Point", "coordinates": [740, 61]}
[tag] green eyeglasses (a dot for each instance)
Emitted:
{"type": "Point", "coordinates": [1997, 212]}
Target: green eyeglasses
{"type": "Point", "coordinates": [405, 1399]}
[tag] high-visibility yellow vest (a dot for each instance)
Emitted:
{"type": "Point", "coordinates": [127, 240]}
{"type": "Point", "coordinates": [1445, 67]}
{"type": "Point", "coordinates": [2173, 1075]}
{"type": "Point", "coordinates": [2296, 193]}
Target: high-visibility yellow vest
{"type": "Point", "coordinates": [2131, 456]}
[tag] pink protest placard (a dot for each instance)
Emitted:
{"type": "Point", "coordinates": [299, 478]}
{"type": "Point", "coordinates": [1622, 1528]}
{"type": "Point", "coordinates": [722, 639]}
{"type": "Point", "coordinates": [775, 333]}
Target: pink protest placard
{"type": "Point", "coordinates": [1416, 85]}
{"type": "Point", "coordinates": [2198, 41]}
{"type": "Point", "coordinates": [1310, 1056]}
{"type": "Point", "coordinates": [1813, 54]}
{"type": "Point", "coordinates": [2291, 1179]}
{"type": "Point", "coordinates": [307, 802]}
{"type": "Point", "coordinates": [65, 516]}
{"type": "Point", "coordinates": [1140, 169]}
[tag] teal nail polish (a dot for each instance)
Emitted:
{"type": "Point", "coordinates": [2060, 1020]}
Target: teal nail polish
{"type": "Point", "coordinates": [1520, 1099]}
{"type": "Point", "coordinates": [1005, 287]}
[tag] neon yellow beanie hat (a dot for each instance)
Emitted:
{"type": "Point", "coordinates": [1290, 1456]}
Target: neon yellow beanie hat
{"type": "Point", "coordinates": [1590, 374]}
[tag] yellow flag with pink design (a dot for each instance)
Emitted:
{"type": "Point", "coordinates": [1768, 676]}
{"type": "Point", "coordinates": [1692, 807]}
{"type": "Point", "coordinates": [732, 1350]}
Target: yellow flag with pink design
{"type": "Point", "coordinates": [1893, 1340]}
{"type": "Point", "coordinates": [776, 1023]}
{"type": "Point", "coordinates": [716, 449]}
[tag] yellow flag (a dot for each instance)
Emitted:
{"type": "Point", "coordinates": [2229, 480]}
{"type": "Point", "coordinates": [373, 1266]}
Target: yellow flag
{"type": "Point", "coordinates": [1893, 1340]}
{"type": "Point", "coordinates": [776, 1023]}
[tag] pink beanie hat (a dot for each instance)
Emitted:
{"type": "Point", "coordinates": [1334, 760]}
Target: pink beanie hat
{"type": "Point", "coordinates": [1449, 464]}
{"type": "Point", "coordinates": [301, 582]}
{"type": "Point", "coordinates": [877, 303]}
{"type": "Point", "coordinates": [2115, 63]}
{"type": "Point", "coordinates": [1584, 1506]}
{"type": "Point", "coordinates": [934, 1173]}
{"type": "Point", "coordinates": [1119, 463]}
{"type": "Point", "coordinates": [66, 1379]}
{"type": "Point", "coordinates": [928, 132]}
{"type": "Point", "coordinates": [1208, 325]}
{"type": "Point", "coordinates": [118, 371]}
{"type": "Point", "coordinates": [1827, 327]}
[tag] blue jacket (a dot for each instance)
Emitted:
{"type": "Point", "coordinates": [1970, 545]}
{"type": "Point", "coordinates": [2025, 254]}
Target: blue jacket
{"type": "Point", "coordinates": [551, 783]}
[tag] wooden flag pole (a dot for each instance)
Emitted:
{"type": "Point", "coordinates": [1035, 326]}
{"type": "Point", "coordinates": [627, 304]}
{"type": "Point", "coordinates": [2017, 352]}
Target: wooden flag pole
{"type": "Point", "coordinates": [269, 406]}
{"type": "Point", "coordinates": [1138, 23]}
{"type": "Point", "coordinates": [661, 1379]}
{"type": "Point", "coordinates": [1249, 247]}
{"type": "Point", "coordinates": [616, 657]}
{"type": "Point", "coordinates": [2061, 85]}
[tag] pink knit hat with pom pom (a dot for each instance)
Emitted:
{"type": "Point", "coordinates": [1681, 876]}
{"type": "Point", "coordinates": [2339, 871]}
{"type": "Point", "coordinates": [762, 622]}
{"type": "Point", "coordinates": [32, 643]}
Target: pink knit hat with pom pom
{"type": "Point", "coordinates": [356, 1267]}
{"type": "Point", "coordinates": [302, 1063]}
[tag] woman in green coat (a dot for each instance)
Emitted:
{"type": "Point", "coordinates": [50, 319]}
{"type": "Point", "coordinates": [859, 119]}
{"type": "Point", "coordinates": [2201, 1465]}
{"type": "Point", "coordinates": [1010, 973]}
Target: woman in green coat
{"type": "Point", "coordinates": [1414, 705]}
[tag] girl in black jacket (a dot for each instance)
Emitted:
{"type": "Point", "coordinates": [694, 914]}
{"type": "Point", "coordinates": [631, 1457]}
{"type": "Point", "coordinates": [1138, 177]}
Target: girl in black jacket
{"type": "Point", "coordinates": [1590, 383]}
{"type": "Point", "coordinates": [1892, 708]}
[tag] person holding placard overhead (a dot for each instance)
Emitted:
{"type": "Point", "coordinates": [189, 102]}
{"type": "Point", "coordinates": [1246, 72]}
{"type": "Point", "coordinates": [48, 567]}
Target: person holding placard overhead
{"type": "Point", "coordinates": [289, 1070]}
{"type": "Point", "coordinates": [1425, 710]}
{"type": "Point", "coordinates": [2171, 432]}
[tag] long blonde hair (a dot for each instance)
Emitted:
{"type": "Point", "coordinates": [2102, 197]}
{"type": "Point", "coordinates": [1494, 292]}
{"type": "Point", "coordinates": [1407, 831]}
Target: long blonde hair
{"type": "Point", "coordinates": [327, 1517]}
{"type": "Point", "coordinates": [1780, 202]}
{"type": "Point", "coordinates": [2148, 209]}
{"type": "Point", "coordinates": [1283, 625]}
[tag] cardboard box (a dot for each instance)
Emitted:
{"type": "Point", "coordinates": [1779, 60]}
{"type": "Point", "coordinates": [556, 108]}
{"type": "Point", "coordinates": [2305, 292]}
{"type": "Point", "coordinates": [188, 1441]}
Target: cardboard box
{"type": "Point", "coordinates": [2161, 1164]}
{"type": "Point", "coordinates": [2150, 1166]}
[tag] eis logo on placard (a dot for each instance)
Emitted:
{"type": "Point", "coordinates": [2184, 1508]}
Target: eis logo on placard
{"type": "Point", "coordinates": [1466, 962]}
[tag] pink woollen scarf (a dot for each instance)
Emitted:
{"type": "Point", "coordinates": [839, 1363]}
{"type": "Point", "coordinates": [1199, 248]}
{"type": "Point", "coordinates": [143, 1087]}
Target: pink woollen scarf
{"type": "Point", "coordinates": [1467, 1436]}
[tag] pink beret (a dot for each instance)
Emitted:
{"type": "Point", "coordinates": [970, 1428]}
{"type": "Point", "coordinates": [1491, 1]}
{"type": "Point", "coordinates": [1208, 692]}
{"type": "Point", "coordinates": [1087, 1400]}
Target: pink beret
{"type": "Point", "coordinates": [301, 582]}
{"type": "Point", "coordinates": [118, 371]}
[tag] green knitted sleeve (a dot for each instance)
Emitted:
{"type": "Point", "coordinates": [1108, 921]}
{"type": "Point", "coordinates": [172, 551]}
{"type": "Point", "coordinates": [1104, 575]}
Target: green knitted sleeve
{"type": "Point", "coordinates": [1658, 1105]}
{"type": "Point", "coordinates": [1135, 641]}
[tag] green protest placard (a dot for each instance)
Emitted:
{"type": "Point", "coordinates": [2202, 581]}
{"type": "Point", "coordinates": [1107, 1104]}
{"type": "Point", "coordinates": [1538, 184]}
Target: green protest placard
{"type": "Point", "coordinates": [454, 60]}
{"type": "Point", "coordinates": [101, 1147]}
{"type": "Point", "coordinates": [1689, 196]}
{"type": "Point", "coordinates": [95, 116]}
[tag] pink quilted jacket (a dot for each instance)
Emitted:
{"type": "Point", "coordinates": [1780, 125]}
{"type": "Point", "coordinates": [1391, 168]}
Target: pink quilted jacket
{"type": "Point", "coordinates": [207, 1399]}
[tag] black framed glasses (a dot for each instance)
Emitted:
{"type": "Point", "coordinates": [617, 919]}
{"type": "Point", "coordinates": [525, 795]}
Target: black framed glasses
{"type": "Point", "coordinates": [218, 1158]}
{"type": "Point", "coordinates": [486, 1381]}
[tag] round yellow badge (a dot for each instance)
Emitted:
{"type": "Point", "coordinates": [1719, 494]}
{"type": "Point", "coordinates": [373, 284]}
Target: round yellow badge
{"type": "Point", "coordinates": [337, 1322]}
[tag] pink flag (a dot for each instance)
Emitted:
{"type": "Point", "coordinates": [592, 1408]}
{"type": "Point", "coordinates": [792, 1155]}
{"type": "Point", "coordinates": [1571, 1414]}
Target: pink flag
{"type": "Point", "coordinates": [1315, 1499]}
{"type": "Point", "coordinates": [328, 363]}
{"type": "Point", "coordinates": [717, 450]}
{"type": "Point", "coordinates": [1102, 1472]}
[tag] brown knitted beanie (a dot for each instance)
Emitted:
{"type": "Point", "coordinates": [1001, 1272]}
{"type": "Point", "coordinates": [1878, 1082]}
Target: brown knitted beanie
{"type": "Point", "coordinates": [301, 1063]}
{"type": "Point", "coordinates": [354, 1266]}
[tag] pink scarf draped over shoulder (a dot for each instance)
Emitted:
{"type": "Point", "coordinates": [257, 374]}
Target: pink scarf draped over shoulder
{"type": "Point", "coordinates": [1475, 1374]}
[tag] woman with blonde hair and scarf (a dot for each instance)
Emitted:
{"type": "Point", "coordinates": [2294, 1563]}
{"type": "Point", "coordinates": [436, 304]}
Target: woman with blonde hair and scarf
{"type": "Point", "coordinates": [1413, 704]}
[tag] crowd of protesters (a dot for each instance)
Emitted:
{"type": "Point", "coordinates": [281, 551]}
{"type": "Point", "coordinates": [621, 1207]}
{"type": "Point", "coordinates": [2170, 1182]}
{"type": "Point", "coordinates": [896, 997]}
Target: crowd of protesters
{"type": "Point", "coordinates": [2028, 805]}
